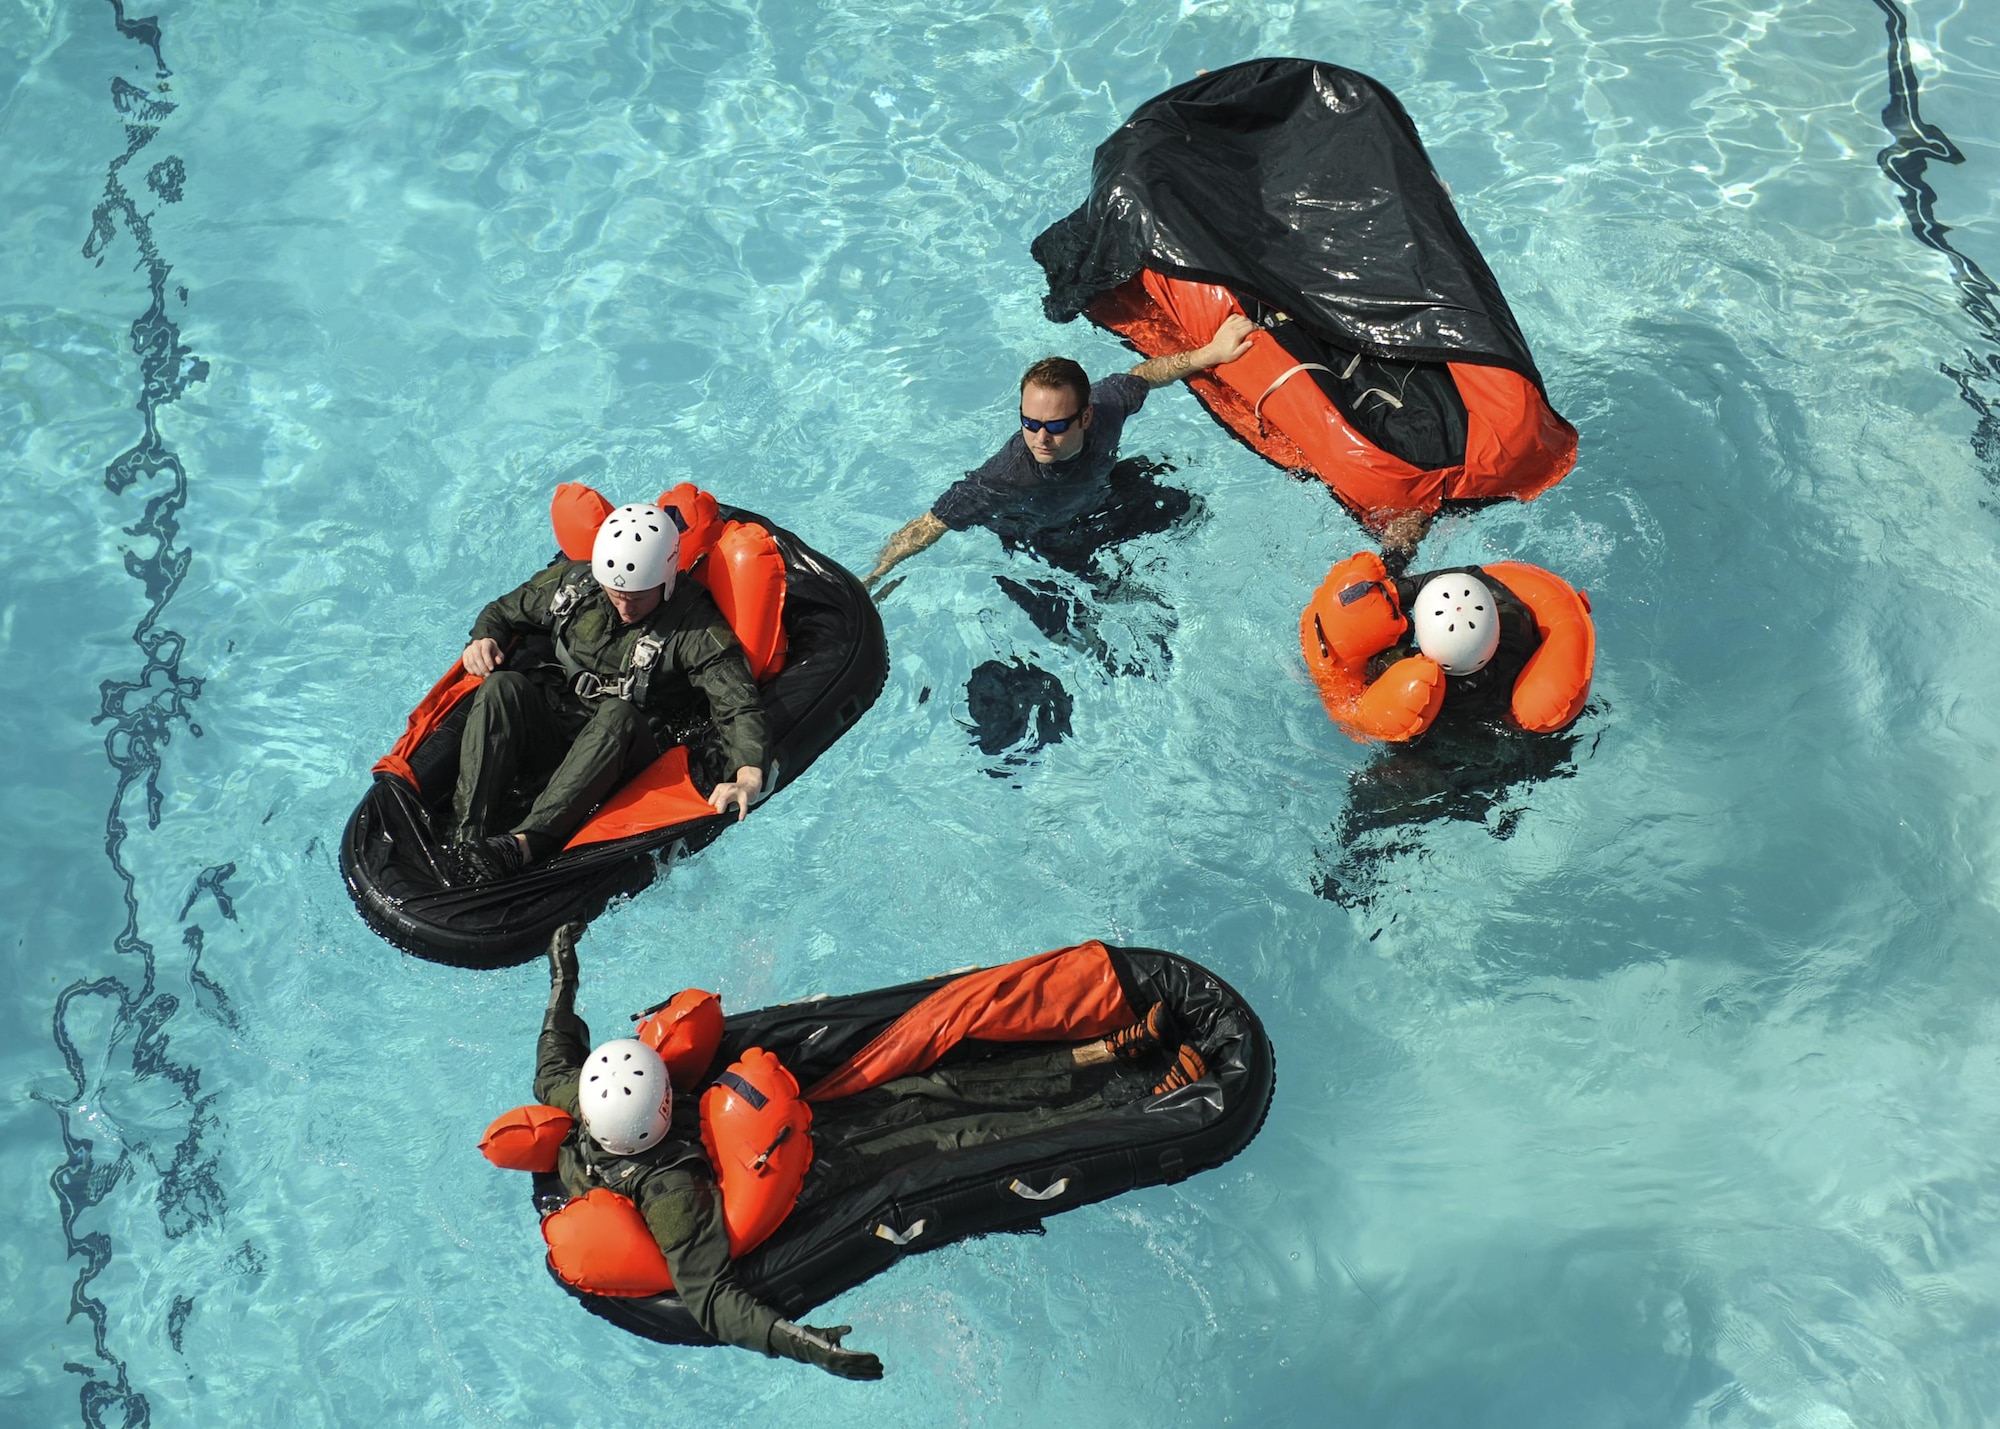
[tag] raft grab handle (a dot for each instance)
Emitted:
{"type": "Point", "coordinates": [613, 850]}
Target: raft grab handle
{"type": "Point", "coordinates": [1056, 1188]}
{"type": "Point", "coordinates": [1290, 372]}
{"type": "Point", "coordinates": [882, 1229]}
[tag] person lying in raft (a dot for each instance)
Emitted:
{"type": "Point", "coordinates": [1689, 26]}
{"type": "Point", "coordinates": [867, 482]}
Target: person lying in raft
{"type": "Point", "coordinates": [632, 1136]}
{"type": "Point", "coordinates": [627, 643]}
{"type": "Point", "coordinates": [1055, 468]}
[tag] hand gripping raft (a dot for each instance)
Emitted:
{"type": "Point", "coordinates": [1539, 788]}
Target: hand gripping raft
{"type": "Point", "coordinates": [927, 1115]}
{"type": "Point", "coordinates": [816, 649]}
{"type": "Point", "coordinates": [1387, 362]}
{"type": "Point", "coordinates": [1356, 615]}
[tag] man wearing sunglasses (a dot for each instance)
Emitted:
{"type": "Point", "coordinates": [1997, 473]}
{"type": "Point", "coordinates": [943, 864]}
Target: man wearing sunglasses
{"type": "Point", "coordinates": [1054, 468]}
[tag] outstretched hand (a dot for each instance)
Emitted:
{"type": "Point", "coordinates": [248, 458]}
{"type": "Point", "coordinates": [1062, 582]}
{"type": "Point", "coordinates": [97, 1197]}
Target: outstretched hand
{"type": "Point", "coordinates": [822, 1347]}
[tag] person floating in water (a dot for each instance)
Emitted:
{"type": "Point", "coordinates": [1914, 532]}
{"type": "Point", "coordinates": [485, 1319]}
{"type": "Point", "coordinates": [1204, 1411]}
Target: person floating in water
{"type": "Point", "coordinates": [634, 1137]}
{"type": "Point", "coordinates": [1476, 629]}
{"type": "Point", "coordinates": [607, 650]}
{"type": "Point", "coordinates": [1502, 641]}
{"type": "Point", "coordinates": [1055, 469]}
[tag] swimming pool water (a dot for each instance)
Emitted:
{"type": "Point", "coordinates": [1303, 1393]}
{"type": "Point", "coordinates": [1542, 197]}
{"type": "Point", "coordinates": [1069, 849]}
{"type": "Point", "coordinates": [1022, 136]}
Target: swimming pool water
{"type": "Point", "coordinates": [1645, 1076]}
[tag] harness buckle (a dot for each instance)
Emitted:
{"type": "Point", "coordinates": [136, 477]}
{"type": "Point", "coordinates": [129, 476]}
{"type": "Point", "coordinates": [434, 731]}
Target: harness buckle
{"type": "Point", "coordinates": [587, 685]}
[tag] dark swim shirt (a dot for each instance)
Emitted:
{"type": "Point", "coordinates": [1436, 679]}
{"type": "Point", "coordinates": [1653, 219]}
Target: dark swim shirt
{"type": "Point", "coordinates": [1015, 494]}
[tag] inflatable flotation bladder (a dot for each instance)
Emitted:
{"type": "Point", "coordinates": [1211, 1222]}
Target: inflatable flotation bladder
{"type": "Point", "coordinates": [686, 1030]}
{"type": "Point", "coordinates": [1554, 685]}
{"type": "Point", "coordinates": [526, 1138]}
{"type": "Point", "coordinates": [746, 578]}
{"type": "Point", "coordinates": [599, 1242]}
{"type": "Point", "coordinates": [1355, 615]}
{"type": "Point", "coordinates": [746, 575]}
{"type": "Point", "coordinates": [758, 1135]}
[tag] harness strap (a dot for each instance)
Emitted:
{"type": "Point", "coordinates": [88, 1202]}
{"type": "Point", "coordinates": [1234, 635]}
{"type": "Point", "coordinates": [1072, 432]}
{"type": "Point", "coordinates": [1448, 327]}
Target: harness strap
{"type": "Point", "coordinates": [640, 661]}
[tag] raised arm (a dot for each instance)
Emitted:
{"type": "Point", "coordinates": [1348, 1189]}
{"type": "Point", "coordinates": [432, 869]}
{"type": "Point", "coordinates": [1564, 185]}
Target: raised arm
{"type": "Point", "coordinates": [1231, 341]}
{"type": "Point", "coordinates": [922, 532]}
{"type": "Point", "coordinates": [565, 1040]}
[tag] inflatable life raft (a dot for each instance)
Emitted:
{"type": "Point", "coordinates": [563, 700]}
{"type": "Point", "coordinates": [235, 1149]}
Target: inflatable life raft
{"type": "Point", "coordinates": [1386, 360]}
{"type": "Point", "coordinates": [1355, 616]}
{"type": "Point", "coordinates": [815, 647]}
{"type": "Point", "coordinates": [803, 1225]}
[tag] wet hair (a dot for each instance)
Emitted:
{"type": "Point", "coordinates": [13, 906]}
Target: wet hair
{"type": "Point", "coordinates": [1059, 372]}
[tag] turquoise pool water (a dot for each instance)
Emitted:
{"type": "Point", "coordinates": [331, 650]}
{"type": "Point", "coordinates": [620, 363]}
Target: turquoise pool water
{"type": "Point", "coordinates": [1646, 1077]}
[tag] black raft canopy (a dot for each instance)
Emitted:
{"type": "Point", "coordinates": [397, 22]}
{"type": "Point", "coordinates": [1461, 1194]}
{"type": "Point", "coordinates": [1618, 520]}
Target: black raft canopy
{"type": "Point", "coordinates": [1302, 193]}
{"type": "Point", "coordinates": [1303, 184]}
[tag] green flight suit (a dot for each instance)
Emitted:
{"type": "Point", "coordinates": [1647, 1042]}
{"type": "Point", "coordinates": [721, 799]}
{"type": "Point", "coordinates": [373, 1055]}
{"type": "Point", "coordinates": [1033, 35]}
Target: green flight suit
{"type": "Point", "coordinates": [524, 717]}
{"type": "Point", "coordinates": [671, 1184]}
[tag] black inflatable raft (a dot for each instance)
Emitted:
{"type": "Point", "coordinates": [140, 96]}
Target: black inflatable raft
{"type": "Point", "coordinates": [392, 856]}
{"type": "Point", "coordinates": [859, 1213]}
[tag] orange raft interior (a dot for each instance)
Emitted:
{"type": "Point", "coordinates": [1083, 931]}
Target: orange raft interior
{"type": "Point", "coordinates": [1355, 616]}
{"type": "Point", "coordinates": [1515, 446]}
{"type": "Point", "coordinates": [742, 568]}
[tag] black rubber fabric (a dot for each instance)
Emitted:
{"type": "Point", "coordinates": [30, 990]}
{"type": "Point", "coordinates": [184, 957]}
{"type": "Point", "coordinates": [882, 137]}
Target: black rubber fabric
{"type": "Point", "coordinates": [1303, 186]}
{"type": "Point", "coordinates": [400, 874]}
{"type": "Point", "coordinates": [1108, 1140]}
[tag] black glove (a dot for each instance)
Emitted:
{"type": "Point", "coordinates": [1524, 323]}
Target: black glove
{"type": "Point", "coordinates": [811, 1345]}
{"type": "Point", "coordinates": [563, 970]}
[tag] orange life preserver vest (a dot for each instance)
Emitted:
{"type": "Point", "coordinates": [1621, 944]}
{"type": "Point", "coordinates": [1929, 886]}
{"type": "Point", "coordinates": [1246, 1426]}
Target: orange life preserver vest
{"type": "Point", "coordinates": [758, 1135]}
{"type": "Point", "coordinates": [686, 1030]}
{"type": "Point", "coordinates": [746, 578]}
{"type": "Point", "coordinates": [1354, 616]}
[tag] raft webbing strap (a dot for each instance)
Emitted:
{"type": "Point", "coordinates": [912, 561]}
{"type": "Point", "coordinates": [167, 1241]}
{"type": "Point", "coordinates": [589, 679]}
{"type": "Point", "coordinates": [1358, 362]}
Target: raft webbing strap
{"type": "Point", "coordinates": [1287, 375]}
{"type": "Point", "coordinates": [1067, 995]}
{"type": "Point", "coordinates": [744, 1090]}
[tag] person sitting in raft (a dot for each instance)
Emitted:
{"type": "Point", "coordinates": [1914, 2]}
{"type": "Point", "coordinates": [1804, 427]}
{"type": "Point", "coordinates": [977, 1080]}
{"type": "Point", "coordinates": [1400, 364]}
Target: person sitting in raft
{"type": "Point", "coordinates": [629, 641]}
{"type": "Point", "coordinates": [629, 1139]}
{"type": "Point", "coordinates": [1054, 468]}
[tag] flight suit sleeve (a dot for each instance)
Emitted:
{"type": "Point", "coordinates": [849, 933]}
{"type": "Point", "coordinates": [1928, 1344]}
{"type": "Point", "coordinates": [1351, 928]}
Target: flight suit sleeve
{"type": "Point", "coordinates": [684, 1212]}
{"type": "Point", "coordinates": [559, 1056]}
{"type": "Point", "coordinates": [522, 609]}
{"type": "Point", "coordinates": [715, 664]}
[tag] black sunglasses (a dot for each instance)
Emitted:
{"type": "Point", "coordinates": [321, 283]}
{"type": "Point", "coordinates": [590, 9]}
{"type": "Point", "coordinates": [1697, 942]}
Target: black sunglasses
{"type": "Point", "coordinates": [1058, 426]}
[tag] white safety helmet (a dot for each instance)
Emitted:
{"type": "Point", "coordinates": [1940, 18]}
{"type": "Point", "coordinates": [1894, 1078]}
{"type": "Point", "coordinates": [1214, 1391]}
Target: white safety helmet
{"type": "Point", "coordinates": [626, 1097]}
{"type": "Point", "coordinates": [638, 547]}
{"type": "Point", "coordinates": [1457, 622]}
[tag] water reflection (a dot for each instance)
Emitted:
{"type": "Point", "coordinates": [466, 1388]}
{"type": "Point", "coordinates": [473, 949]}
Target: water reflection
{"type": "Point", "coordinates": [1472, 769]}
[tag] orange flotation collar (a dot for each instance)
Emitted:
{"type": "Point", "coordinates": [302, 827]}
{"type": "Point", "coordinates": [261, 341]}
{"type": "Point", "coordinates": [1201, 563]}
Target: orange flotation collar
{"type": "Point", "coordinates": [1354, 616]}
{"type": "Point", "coordinates": [757, 1131]}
